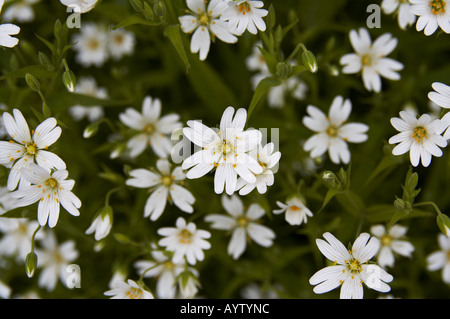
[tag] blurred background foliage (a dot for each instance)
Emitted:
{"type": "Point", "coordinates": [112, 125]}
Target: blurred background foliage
{"type": "Point", "coordinates": [202, 91]}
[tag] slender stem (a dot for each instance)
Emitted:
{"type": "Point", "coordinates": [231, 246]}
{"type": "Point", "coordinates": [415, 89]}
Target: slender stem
{"type": "Point", "coordinates": [438, 211]}
{"type": "Point", "coordinates": [33, 237]}
{"type": "Point", "coordinates": [108, 195]}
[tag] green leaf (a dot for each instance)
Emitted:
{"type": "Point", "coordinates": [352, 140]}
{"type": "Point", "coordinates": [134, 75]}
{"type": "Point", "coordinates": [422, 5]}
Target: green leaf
{"type": "Point", "coordinates": [38, 71]}
{"type": "Point", "coordinates": [174, 35]}
{"type": "Point", "coordinates": [135, 19]}
{"type": "Point", "coordinates": [263, 87]}
{"type": "Point", "coordinates": [330, 194]}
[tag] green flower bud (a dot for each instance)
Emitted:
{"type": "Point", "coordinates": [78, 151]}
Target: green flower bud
{"type": "Point", "coordinates": [330, 179]}
{"type": "Point", "coordinates": [309, 60]}
{"type": "Point", "coordinates": [399, 204]}
{"type": "Point", "coordinates": [159, 8]}
{"type": "Point", "coordinates": [443, 222]}
{"type": "Point", "coordinates": [283, 70]}
{"type": "Point", "coordinates": [31, 264]}
{"type": "Point", "coordinates": [137, 5]}
{"type": "Point", "coordinates": [90, 130]}
{"type": "Point", "coordinates": [69, 80]}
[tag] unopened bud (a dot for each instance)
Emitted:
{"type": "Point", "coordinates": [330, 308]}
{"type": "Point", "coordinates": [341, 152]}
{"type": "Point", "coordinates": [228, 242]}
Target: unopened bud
{"type": "Point", "coordinates": [443, 222]}
{"type": "Point", "coordinates": [283, 70]}
{"type": "Point", "coordinates": [159, 8]}
{"type": "Point", "coordinates": [330, 179]}
{"type": "Point", "coordinates": [309, 60]}
{"type": "Point", "coordinates": [90, 130]}
{"type": "Point", "coordinates": [137, 5]}
{"type": "Point", "coordinates": [399, 204]}
{"type": "Point", "coordinates": [31, 264]}
{"type": "Point", "coordinates": [69, 80]}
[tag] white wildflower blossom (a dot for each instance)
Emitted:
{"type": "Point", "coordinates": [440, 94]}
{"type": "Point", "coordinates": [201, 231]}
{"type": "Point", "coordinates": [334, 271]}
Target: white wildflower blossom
{"type": "Point", "coordinates": [204, 22]}
{"type": "Point", "coordinates": [185, 241]}
{"type": "Point", "coordinates": [391, 243]}
{"type": "Point", "coordinates": [245, 15]}
{"type": "Point", "coordinates": [440, 259]}
{"type": "Point", "coordinates": [295, 211]}
{"type": "Point", "coordinates": [81, 6]}
{"type": "Point", "coordinates": [226, 150]}
{"type": "Point", "coordinates": [165, 186]}
{"type": "Point", "coordinates": [151, 129]}
{"type": "Point", "coordinates": [268, 159]}
{"type": "Point", "coordinates": [26, 148]}
{"type": "Point", "coordinates": [91, 45]}
{"type": "Point", "coordinates": [401, 8]}
{"type": "Point", "coordinates": [418, 136]}
{"type": "Point", "coordinates": [121, 43]}
{"type": "Point", "coordinates": [51, 190]}
{"type": "Point", "coordinates": [129, 289]}
{"type": "Point", "coordinates": [371, 59]}
{"type": "Point", "coordinates": [6, 32]}
{"type": "Point", "coordinates": [20, 11]}
{"type": "Point", "coordinates": [332, 133]}
{"type": "Point", "coordinates": [53, 259]}
{"type": "Point", "coordinates": [16, 240]}
{"type": "Point", "coordinates": [243, 224]}
{"type": "Point", "coordinates": [432, 14]}
{"type": "Point", "coordinates": [88, 86]}
{"type": "Point", "coordinates": [351, 268]}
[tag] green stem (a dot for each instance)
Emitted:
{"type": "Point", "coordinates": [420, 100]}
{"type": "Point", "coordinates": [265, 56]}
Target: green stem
{"type": "Point", "coordinates": [438, 211]}
{"type": "Point", "coordinates": [108, 195]}
{"type": "Point", "coordinates": [33, 237]}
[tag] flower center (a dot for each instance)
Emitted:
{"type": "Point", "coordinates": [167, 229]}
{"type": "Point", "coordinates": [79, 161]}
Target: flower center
{"type": "Point", "coordinates": [332, 131]}
{"type": "Point", "coordinates": [166, 180]}
{"type": "Point", "coordinates": [169, 265]}
{"type": "Point", "coordinates": [31, 149]}
{"type": "Point", "coordinates": [226, 147]}
{"type": "Point", "coordinates": [354, 266]}
{"type": "Point", "coordinates": [366, 60]}
{"type": "Point", "coordinates": [244, 8]}
{"type": "Point", "coordinates": [437, 6]}
{"type": "Point", "coordinates": [419, 134]}
{"type": "Point", "coordinates": [294, 208]}
{"type": "Point", "coordinates": [119, 39]}
{"type": "Point", "coordinates": [204, 19]}
{"type": "Point", "coordinates": [185, 236]}
{"type": "Point", "coordinates": [51, 182]}
{"type": "Point", "coordinates": [242, 221]}
{"type": "Point", "coordinates": [93, 44]}
{"type": "Point", "coordinates": [134, 293]}
{"type": "Point", "coordinates": [149, 128]}
{"type": "Point", "coordinates": [386, 240]}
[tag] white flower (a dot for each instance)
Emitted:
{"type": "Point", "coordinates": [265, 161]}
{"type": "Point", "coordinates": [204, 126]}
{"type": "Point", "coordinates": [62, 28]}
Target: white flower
{"type": "Point", "coordinates": [88, 86]}
{"type": "Point", "coordinates": [371, 59]}
{"type": "Point", "coordinates": [420, 137]}
{"type": "Point", "coordinates": [189, 285]}
{"type": "Point", "coordinates": [128, 290]}
{"type": "Point", "coordinates": [296, 211]}
{"type": "Point", "coordinates": [332, 133]}
{"type": "Point", "coordinates": [5, 290]}
{"type": "Point", "coordinates": [91, 45]}
{"type": "Point", "coordinates": [227, 151]}
{"type": "Point", "coordinates": [268, 159]}
{"type": "Point", "coordinates": [165, 186]}
{"type": "Point", "coordinates": [245, 15]}
{"type": "Point", "coordinates": [166, 272]}
{"type": "Point", "coordinates": [121, 43]}
{"type": "Point", "coordinates": [256, 61]}
{"type": "Point", "coordinates": [25, 148]}
{"type": "Point", "coordinates": [6, 30]}
{"type": "Point", "coordinates": [441, 259]}
{"type": "Point", "coordinates": [431, 13]}
{"type": "Point", "coordinates": [54, 259]}
{"type": "Point", "coordinates": [203, 23]}
{"type": "Point", "coordinates": [402, 9]}
{"type": "Point", "coordinates": [242, 224]}
{"type": "Point", "coordinates": [185, 240]}
{"type": "Point", "coordinates": [81, 6]}
{"type": "Point", "coordinates": [16, 240]}
{"type": "Point", "coordinates": [7, 201]}
{"type": "Point", "coordinates": [102, 224]}
{"type": "Point", "coordinates": [351, 267]}
{"type": "Point", "coordinates": [51, 190]}
{"type": "Point", "coordinates": [152, 130]}
{"type": "Point", "coordinates": [20, 11]}
{"type": "Point", "coordinates": [440, 95]}
{"type": "Point", "coordinates": [391, 243]}
{"type": "Point", "coordinates": [276, 97]}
